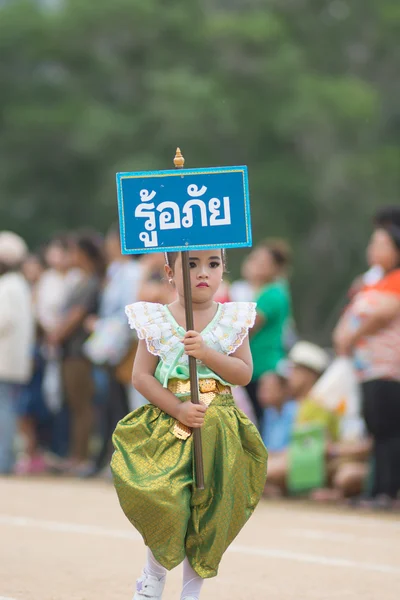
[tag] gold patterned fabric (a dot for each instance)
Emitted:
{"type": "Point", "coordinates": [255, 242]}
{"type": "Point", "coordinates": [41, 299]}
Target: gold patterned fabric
{"type": "Point", "coordinates": [208, 389]}
{"type": "Point", "coordinates": [154, 477]}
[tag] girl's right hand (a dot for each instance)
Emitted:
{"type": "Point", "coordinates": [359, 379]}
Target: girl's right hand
{"type": "Point", "coordinates": [191, 415]}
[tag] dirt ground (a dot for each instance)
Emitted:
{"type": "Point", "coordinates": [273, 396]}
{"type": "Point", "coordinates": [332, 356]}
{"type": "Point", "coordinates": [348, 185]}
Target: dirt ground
{"type": "Point", "coordinates": [69, 540]}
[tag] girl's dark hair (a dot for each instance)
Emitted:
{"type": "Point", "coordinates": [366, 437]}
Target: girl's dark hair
{"type": "Point", "coordinates": [92, 245]}
{"type": "Point", "coordinates": [280, 251]}
{"type": "Point", "coordinates": [170, 258]}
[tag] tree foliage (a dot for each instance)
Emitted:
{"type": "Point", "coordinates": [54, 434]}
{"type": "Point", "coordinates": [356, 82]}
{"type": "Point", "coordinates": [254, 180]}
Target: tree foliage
{"type": "Point", "coordinates": [305, 92]}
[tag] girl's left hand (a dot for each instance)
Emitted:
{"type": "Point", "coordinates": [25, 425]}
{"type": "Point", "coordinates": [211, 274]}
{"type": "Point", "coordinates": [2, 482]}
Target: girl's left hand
{"type": "Point", "coordinates": [194, 345]}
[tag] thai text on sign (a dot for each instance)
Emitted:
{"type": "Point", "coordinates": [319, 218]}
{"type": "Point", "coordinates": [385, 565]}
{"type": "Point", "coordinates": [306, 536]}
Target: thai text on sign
{"type": "Point", "coordinates": [167, 210]}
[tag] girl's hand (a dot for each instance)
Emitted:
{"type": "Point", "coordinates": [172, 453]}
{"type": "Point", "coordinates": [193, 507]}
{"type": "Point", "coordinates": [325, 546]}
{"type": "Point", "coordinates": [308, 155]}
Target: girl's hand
{"type": "Point", "coordinates": [191, 415]}
{"type": "Point", "coordinates": [194, 345]}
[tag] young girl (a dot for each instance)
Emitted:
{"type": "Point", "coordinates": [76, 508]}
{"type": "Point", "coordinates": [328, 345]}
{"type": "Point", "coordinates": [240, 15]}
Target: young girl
{"type": "Point", "coordinates": [153, 463]}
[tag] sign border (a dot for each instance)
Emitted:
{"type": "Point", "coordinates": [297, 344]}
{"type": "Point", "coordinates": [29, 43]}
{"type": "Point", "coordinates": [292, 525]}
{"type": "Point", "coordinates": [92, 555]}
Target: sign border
{"type": "Point", "coordinates": [183, 173]}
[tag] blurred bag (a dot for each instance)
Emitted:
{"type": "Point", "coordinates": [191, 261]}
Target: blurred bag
{"type": "Point", "coordinates": [52, 388]}
{"type": "Point", "coordinates": [306, 459]}
{"type": "Point", "coordinates": [109, 343]}
{"type": "Point", "coordinates": [338, 389]}
{"type": "Point", "coordinates": [123, 372]}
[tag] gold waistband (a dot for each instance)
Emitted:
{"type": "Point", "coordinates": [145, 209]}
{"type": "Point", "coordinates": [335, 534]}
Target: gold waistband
{"type": "Point", "coordinates": [182, 386]}
{"type": "Point", "coordinates": [208, 388]}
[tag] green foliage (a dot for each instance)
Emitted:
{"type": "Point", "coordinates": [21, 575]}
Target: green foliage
{"type": "Point", "coordinates": [304, 92]}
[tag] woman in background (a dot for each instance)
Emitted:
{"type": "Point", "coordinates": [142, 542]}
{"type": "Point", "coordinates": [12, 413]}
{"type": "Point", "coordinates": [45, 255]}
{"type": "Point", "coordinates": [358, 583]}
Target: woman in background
{"type": "Point", "coordinates": [33, 412]}
{"type": "Point", "coordinates": [16, 341]}
{"type": "Point", "coordinates": [266, 269]}
{"type": "Point", "coordinates": [121, 286]}
{"type": "Point", "coordinates": [70, 335]}
{"type": "Point", "coordinates": [370, 331]}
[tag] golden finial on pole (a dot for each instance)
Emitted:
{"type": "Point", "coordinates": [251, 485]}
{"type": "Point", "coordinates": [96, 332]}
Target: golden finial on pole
{"type": "Point", "coordinates": [179, 161]}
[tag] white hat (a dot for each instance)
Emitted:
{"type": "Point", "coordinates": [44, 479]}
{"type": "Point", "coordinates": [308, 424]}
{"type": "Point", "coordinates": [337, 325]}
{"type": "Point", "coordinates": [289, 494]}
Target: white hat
{"type": "Point", "coordinates": [309, 355]}
{"type": "Point", "coordinates": [13, 249]}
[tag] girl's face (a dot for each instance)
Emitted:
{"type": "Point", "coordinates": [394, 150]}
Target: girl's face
{"type": "Point", "coordinates": [382, 251]}
{"type": "Point", "coordinates": [206, 271]}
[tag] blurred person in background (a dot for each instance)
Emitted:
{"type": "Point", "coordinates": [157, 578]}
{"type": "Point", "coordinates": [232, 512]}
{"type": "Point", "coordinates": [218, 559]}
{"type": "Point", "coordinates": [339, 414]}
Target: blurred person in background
{"type": "Point", "coordinates": [280, 409]}
{"type": "Point", "coordinates": [154, 286]}
{"type": "Point", "coordinates": [16, 341]}
{"type": "Point", "coordinates": [33, 268]}
{"type": "Point", "coordinates": [307, 363]}
{"type": "Point", "coordinates": [52, 286]}
{"type": "Point", "coordinates": [370, 332]}
{"type": "Point", "coordinates": [348, 469]}
{"type": "Point", "coordinates": [82, 300]}
{"type": "Point", "coordinates": [385, 216]}
{"type": "Point", "coordinates": [245, 289]}
{"type": "Point", "coordinates": [34, 415]}
{"type": "Point", "coordinates": [124, 275]}
{"type": "Point", "coordinates": [52, 291]}
{"type": "Point", "coordinates": [266, 269]}
{"type": "Point", "coordinates": [280, 413]}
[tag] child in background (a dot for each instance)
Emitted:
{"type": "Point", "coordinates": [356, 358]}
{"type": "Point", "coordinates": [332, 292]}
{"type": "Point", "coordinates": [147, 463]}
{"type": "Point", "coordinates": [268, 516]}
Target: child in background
{"type": "Point", "coordinates": [279, 410]}
{"type": "Point", "coordinates": [308, 362]}
{"type": "Point", "coordinates": [153, 459]}
{"type": "Point", "coordinates": [279, 417]}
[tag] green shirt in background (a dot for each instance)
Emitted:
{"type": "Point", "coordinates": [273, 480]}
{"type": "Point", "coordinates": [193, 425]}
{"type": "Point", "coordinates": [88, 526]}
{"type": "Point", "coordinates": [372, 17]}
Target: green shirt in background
{"type": "Point", "coordinates": [267, 344]}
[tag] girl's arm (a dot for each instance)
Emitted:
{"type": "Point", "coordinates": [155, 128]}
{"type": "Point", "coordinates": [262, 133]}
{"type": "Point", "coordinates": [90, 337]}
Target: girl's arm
{"type": "Point", "coordinates": [237, 368]}
{"type": "Point", "coordinates": [145, 383]}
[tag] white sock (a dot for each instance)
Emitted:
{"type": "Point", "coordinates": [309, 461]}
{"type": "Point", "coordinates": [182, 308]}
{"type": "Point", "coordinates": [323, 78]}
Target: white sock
{"type": "Point", "coordinates": [153, 567]}
{"type": "Point", "coordinates": [192, 583]}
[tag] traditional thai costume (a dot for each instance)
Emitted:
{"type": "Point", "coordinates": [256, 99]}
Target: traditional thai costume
{"type": "Point", "coordinates": [153, 464]}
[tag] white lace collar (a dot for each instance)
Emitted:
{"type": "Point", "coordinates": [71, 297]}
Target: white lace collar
{"type": "Point", "coordinates": [225, 332]}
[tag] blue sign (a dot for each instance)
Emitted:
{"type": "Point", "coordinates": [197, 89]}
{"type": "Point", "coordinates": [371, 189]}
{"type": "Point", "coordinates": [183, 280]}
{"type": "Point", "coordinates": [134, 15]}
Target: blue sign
{"type": "Point", "coordinates": [167, 211]}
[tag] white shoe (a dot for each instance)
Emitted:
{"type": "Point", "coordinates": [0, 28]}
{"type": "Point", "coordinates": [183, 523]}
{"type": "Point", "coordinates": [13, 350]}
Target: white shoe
{"type": "Point", "coordinates": [149, 587]}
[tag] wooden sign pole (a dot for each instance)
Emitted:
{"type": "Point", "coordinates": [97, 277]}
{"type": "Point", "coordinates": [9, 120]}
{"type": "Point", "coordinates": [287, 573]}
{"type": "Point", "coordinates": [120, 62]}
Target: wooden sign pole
{"type": "Point", "coordinates": [179, 162]}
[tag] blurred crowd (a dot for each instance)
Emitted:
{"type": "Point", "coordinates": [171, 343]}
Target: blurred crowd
{"type": "Point", "coordinates": [329, 418]}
